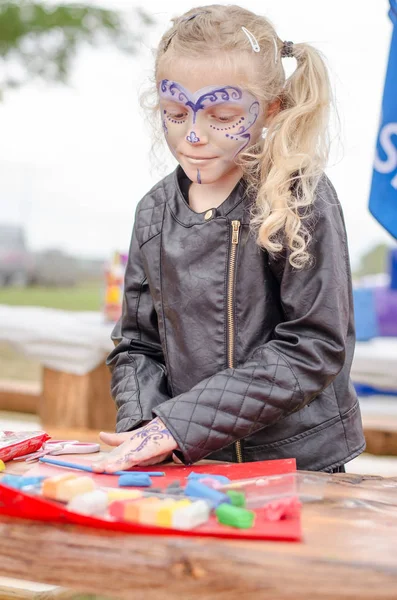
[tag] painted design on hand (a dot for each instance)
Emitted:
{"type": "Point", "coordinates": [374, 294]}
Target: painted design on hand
{"type": "Point", "coordinates": [192, 138]}
{"type": "Point", "coordinates": [154, 432]}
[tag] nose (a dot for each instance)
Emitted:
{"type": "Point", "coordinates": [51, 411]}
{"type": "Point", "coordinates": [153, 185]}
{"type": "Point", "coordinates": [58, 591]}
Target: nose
{"type": "Point", "coordinates": [196, 135]}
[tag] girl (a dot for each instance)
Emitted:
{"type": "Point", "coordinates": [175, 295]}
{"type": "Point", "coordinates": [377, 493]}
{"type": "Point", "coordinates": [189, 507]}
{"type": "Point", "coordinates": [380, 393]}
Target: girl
{"type": "Point", "coordinates": [237, 334]}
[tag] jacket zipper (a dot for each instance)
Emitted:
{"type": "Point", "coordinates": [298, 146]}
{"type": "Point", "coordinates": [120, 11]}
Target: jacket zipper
{"type": "Point", "coordinates": [230, 313]}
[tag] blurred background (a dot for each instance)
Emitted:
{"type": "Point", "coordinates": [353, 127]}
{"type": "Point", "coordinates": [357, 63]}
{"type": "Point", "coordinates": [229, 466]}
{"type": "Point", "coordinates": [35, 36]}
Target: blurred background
{"type": "Point", "coordinates": [75, 158]}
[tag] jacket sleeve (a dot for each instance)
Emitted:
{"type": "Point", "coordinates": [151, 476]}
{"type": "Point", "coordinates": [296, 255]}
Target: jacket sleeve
{"type": "Point", "coordinates": [139, 376]}
{"type": "Point", "coordinates": [303, 357]}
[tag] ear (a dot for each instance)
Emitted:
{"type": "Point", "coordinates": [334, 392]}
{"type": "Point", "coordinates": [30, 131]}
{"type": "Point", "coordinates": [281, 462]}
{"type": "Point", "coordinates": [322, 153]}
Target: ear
{"type": "Point", "coordinates": [272, 110]}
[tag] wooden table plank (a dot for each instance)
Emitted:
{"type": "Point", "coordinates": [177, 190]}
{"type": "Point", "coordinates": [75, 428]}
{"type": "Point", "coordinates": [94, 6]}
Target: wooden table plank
{"type": "Point", "coordinates": [349, 551]}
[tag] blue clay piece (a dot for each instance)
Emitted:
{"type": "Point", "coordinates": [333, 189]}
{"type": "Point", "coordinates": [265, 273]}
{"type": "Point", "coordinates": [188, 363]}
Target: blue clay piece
{"type": "Point", "coordinates": [135, 480]}
{"type": "Point", "coordinates": [19, 482]}
{"type": "Point", "coordinates": [220, 478]}
{"type": "Point", "coordinates": [25, 481]}
{"type": "Point", "coordinates": [10, 480]}
{"type": "Point", "coordinates": [195, 489]}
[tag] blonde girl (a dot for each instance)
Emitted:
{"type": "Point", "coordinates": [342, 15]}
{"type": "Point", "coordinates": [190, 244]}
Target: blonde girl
{"type": "Point", "coordinates": [237, 333]}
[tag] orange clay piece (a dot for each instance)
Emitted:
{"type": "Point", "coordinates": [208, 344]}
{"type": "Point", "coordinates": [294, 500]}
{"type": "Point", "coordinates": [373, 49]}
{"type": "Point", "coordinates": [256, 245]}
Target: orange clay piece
{"type": "Point", "coordinates": [50, 485]}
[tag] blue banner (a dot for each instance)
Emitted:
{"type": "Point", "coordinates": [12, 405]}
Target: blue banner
{"type": "Point", "coordinates": [383, 197]}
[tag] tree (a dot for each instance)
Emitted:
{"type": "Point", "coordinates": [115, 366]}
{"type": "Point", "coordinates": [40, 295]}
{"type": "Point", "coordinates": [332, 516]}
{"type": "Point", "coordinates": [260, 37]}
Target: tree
{"type": "Point", "coordinates": [374, 261]}
{"type": "Point", "coordinates": [40, 41]}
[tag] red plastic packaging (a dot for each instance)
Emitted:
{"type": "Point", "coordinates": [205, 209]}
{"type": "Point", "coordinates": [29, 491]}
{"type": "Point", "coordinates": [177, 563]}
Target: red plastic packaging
{"type": "Point", "coordinates": [16, 503]}
{"type": "Point", "coordinates": [18, 443]}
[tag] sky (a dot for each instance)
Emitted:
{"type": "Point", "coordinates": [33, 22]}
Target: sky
{"type": "Point", "coordinates": [75, 161]}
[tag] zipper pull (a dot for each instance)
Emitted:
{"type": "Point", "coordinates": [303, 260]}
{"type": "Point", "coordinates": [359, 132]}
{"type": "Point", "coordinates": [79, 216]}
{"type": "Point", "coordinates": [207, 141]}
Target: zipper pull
{"type": "Point", "coordinates": [236, 229]}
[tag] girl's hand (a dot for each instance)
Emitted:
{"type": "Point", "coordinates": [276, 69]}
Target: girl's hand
{"type": "Point", "coordinates": [146, 446]}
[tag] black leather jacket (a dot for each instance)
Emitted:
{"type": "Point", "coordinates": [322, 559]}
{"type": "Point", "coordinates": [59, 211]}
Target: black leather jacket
{"type": "Point", "coordinates": [241, 356]}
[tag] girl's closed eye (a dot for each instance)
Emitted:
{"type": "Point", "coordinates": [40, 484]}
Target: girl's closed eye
{"type": "Point", "coordinates": [225, 119]}
{"type": "Point", "coordinates": [178, 115]}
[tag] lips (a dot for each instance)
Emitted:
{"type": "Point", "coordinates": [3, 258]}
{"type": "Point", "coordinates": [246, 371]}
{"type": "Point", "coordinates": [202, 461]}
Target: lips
{"type": "Point", "coordinates": [200, 157]}
{"type": "Point", "coordinates": [195, 160]}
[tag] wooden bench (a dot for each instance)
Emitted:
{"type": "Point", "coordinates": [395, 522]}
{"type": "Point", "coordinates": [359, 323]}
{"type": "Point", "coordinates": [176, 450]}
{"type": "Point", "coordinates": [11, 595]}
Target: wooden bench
{"type": "Point", "coordinates": [64, 400]}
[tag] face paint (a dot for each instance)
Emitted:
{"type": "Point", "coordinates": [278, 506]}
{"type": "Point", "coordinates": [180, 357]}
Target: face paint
{"type": "Point", "coordinates": [209, 127]}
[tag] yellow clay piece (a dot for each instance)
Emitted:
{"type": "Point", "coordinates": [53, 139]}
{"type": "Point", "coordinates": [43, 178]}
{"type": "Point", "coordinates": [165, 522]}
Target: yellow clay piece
{"type": "Point", "coordinates": [164, 515]}
{"type": "Point", "coordinates": [117, 494]}
{"type": "Point", "coordinates": [2, 466]}
{"type": "Point", "coordinates": [50, 485]}
{"type": "Point", "coordinates": [149, 511]}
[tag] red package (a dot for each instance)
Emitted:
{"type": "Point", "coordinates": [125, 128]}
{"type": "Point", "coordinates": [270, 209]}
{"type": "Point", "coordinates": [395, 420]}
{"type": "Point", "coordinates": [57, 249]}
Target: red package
{"type": "Point", "coordinates": [18, 443]}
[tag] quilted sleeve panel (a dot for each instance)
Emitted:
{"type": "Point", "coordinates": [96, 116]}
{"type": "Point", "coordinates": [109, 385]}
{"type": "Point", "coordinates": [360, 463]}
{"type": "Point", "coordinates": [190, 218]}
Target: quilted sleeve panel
{"type": "Point", "coordinates": [139, 376]}
{"type": "Point", "coordinates": [282, 376]}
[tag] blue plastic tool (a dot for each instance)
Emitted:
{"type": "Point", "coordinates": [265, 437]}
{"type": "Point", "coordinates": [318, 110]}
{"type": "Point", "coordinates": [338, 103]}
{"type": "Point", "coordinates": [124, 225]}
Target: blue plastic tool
{"type": "Point", "coordinates": [195, 489]}
{"type": "Point", "coordinates": [69, 465]}
{"type": "Point", "coordinates": [135, 480]}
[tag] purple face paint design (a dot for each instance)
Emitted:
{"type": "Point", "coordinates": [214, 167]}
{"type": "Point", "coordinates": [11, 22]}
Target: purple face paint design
{"type": "Point", "coordinates": [209, 127]}
{"type": "Point", "coordinates": [192, 138]}
{"type": "Point", "coordinates": [198, 176]}
{"type": "Point", "coordinates": [174, 95]}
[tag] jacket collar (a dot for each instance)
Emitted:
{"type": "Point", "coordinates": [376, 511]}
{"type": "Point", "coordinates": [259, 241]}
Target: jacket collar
{"type": "Point", "coordinates": [184, 213]}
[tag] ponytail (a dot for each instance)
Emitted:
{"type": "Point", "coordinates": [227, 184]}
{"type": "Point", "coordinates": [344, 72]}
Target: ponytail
{"type": "Point", "coordinates": [291, 161]}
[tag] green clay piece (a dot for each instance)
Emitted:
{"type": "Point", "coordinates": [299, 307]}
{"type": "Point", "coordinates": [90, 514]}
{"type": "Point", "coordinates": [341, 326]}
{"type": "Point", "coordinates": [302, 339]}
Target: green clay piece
{"type": "Point", "coordinates": [235, 516]}
{"type": "Point", "coordinates": [236, 498]}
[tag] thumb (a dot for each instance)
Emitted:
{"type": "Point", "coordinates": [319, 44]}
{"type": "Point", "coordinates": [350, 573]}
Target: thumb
{"type": "Point", "coordinates": [113, 439]}
{"type": "Point", "coordinates": [176, 459]}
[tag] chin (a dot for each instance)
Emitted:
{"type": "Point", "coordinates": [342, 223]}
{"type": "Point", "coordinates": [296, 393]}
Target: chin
{"type": "Point", "coordinates": [207, 174]}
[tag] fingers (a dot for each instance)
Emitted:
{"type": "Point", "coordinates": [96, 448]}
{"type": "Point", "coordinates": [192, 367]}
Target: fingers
{"type": "Point", "coordinates": [114, 439]}
{"type": "Point", "coordinates": [154, 461]}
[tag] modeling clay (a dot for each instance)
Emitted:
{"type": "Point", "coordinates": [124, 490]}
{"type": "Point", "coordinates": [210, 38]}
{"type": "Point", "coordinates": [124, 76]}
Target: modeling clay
{"type": "Point", "coordinates": [135, 480]}
{"type": "Point", "coordinates": [117, 494]}
{"type": "Point", "coordinates": [132, 510]}
{"type": "Point", "coordinates": [148, 512]}
{"type": "Point", "coordinates": [221, 478]}
{"type": "Point", "coordinates": [196, 489]}
{"type": "Point", "coordinates": [188, 517]}
{"type": "Point", "coordinates": [235, 516]}
{"type": "Point", "coordinates": [210, 482]}
{"type": "Point", "coordinates": [20, 482]}
{"type": "Point", "coordinates": [69, 465]}
{"type": "Point", "coordinates": [65, 487]}
{"type": "Point", "coordinates": [2, 466]}
{"type": "Point", "coordinates": [236, 498]}
{"type": "Point", "coordinates": [164, 515]}
{"type": "Point", "coordinates": [91, 503]}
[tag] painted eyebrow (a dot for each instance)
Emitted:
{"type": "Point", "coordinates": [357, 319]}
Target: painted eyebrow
{"type": "Point", "coordinates": [231, 106]}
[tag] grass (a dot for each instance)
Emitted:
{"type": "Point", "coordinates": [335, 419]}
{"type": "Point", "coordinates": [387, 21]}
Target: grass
{"type": "Point", "coordinates": [82, 297]}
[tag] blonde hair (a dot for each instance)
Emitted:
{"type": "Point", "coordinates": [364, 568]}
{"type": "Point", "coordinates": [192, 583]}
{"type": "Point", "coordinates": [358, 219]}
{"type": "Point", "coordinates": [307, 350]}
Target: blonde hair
{"type": "Point", "coordinates": [283, 169]}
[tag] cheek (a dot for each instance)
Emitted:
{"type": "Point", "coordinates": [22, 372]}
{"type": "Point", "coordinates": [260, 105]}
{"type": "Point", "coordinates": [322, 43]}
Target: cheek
{"type": "Point", "coordinates": [173, 132]}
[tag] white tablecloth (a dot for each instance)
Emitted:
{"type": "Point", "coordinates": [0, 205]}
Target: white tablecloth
{"type": "Point", "coordinates": [375, 363]}
{"type": "Point", "coordinates": [73, 342]}
{"type": "Point", "coordinates": [77, 342]}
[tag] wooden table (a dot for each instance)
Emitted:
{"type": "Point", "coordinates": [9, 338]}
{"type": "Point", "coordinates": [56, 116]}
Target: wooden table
{"type": "Point", "coordinates": [349, 551]}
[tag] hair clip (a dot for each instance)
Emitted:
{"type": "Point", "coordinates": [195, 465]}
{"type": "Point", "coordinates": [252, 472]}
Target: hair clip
{"type": "Point", "coordinates": [275, 51]}
{"type": "Point", "coordinates": [252, 40]}
{"type": "Point", "coordinates": [183, 20]}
